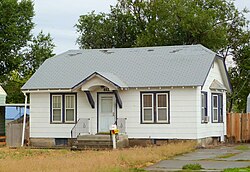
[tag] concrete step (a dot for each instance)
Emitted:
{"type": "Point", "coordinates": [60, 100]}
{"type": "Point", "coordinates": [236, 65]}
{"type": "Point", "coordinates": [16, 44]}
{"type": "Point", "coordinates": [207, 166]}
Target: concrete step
{"type": "Point", "coordinates": [79, 148]}
{"type": "Point", "coordinates": [98, 142]}
{"type": "Point", "coordinates": [92, 143]}
{"type": "Point", "coordinates": [94, 137]}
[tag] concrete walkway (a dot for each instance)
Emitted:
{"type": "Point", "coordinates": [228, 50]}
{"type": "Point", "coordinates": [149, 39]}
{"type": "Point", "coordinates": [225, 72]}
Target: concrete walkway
{"type": "Point", "coordinates": [215, 159]}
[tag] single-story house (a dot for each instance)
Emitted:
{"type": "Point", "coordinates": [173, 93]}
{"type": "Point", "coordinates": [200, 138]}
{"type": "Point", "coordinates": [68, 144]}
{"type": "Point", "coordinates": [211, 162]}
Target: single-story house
{"type": "Point", "coordinates": [168, 92]}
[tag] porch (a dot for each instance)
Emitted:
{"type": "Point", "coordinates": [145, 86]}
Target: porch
{"type": "Point", "coordinates": [84, 138]}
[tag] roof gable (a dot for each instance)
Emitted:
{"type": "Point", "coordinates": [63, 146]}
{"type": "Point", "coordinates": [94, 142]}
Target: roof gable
{"type": "Point", "coordinates": [216, 85]}
{"type": "Point", "coordinates": [186, 65]}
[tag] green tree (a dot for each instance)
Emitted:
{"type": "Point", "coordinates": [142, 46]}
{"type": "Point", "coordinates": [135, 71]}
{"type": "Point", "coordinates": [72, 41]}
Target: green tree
{"type": "Point", "coordinates": [240, 78]}
{"type": "Point", "coordinates": [217, 24]}
{"type": "Point", "coordinates": [15, 30]}
{"type": "Point", "coordinates": [37, 51]}
{"type": "Point", "coordinates": [133, 23]}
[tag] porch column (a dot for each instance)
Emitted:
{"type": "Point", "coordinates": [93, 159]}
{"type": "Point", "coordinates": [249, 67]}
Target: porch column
{"type": "Point", "coordinates": [118, 98]}
{"type": "Point", "coordinates": [90, 99]}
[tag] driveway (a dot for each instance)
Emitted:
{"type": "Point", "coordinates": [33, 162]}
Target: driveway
{"type": "Point", "coordinates": [212, 159]}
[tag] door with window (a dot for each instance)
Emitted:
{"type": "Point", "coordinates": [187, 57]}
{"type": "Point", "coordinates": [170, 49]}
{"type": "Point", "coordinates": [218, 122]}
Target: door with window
{"type": "Point", "coordinates": [107, 112]}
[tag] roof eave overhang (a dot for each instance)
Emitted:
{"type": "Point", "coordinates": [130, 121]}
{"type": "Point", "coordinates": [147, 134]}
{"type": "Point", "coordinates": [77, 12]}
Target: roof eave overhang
{"type": "Point", "coordinates": [47, 90]}
{"type": "Point", "coordinates": [230, 87]}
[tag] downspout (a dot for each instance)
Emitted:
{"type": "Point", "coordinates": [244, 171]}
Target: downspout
{"type": "Point", "coordinates": [24, 118]}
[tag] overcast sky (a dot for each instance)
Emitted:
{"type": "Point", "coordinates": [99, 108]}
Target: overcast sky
{"type": "Point", "coordinates": [58, 18]}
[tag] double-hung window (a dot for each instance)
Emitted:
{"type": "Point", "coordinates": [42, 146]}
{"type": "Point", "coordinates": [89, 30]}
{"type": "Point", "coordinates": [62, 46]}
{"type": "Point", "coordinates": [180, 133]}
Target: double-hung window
{"type": "Point", "coordinates": [162, 107]}
{"type": "Point", "coordinates": [69, 108]}
{"type": "Point", "coordinates": [204, 107]}
{"type": "Point", "coordinates": [147, 108]}
{"type": "Point", "coordinates": [63, 108]}
{"type": "Point", "coordinates": [217, 108]}
{"type": "Point", "coordinates": [155, 107]}
{"type": "Point", "coordinates": [57, 108]}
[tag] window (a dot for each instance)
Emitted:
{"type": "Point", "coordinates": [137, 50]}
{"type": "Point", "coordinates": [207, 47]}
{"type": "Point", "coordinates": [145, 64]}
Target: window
{"type": "Point", "coordinates": [69, 108]}
{"type": "Point", "coordinates": [204, 107]}
{"type": "Point", "coordinates": [154, 107]}
{"type": "Point", "coordinates": [147, 107]}
{"type": "Point", "coordinates": [162, 108]}
{"type": "Point", "coordinates": [217, 108]}
{"type": "Point", "coordinates": [57, 108]}
{"type": "Point", "coordinates": [63, 108]}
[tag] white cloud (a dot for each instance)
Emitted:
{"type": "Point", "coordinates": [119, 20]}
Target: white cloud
{"type": "Point", "coordinates": [58, 18]}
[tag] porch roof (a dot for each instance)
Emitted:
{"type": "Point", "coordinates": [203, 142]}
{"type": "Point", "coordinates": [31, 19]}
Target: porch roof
{"type": "Point", "coordinates": [110, 77]}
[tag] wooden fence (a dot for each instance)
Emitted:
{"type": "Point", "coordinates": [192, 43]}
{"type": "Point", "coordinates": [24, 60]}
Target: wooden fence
{"type": "Point", "coordinates": [238, 127]}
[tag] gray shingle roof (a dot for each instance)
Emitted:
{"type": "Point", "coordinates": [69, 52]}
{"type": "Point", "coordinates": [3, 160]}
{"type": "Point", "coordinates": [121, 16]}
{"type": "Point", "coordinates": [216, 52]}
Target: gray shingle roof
{"type": "Point", "coordinates": [186, 65]}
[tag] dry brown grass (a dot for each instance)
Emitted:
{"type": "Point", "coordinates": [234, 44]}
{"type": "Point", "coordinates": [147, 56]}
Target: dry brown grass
{"type": "Point", "coordinates": [106, 161]}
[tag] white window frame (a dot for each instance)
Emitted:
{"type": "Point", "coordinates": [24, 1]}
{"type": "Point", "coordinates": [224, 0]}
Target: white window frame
{"type": "Point", "coordinates": [217, 108]}
{"type": "Point", "coordinates": [203, 108]}
{"type": "Point", "coordinates": [152, 107]}
{"type": "Point", "coordinates": [53, 121]}
{"type": "Point", "coordinates": [220, 114]}
{"type": "Point", "coordinates": [65, 109]}
{"type": "Point", "coordinates": [157, 108]}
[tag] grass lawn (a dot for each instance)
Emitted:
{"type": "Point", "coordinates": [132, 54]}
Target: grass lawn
{"type": "Point", "coordinates": [242, 147]}
{"type": "Point", "coordinates": [237, 169]}
{"type": "Point", "coordinates": [131, 159]}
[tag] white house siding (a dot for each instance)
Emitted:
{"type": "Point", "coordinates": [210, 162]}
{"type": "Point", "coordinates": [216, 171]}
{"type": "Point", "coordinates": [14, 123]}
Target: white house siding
{"type": "Point", "coordinates": [183, 112]}
{"type": "Point", "coordinates": [212, 129]}
{"type": "Point", "coordinates": [183, 115]}
{"type": "Point", "coordinates": [40, 126]}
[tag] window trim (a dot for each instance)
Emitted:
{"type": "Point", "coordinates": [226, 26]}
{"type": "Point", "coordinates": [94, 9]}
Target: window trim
{"type": "Point", "coordinates": [206, 110]}
{"type": "Point", "coordinates": [63, 119]}
{"type": "Point", "coordinates": [154, 93]}
{"type": "Point", "coordinates": [220, 115]}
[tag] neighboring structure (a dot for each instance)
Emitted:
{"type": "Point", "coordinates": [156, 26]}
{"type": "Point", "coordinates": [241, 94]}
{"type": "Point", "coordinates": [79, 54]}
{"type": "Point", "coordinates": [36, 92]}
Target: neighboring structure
{"type": "Point", "coordinates": [2, 111]}
{"type": "Point", "coordinates": [169, 92]}
{"type": "Point", "coordinates": [248, 103]}
{"type": "Point", "coordinates": [2, 96]}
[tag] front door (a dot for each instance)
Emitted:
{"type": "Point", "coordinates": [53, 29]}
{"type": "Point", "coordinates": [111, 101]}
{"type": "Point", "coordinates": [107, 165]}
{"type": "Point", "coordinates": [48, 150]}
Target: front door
{"type": "Point", "coordinates": [107, 112]}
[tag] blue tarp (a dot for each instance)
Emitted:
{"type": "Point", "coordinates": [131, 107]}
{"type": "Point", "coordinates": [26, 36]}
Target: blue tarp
{"type": "Point", "coordinates": [14, 112]}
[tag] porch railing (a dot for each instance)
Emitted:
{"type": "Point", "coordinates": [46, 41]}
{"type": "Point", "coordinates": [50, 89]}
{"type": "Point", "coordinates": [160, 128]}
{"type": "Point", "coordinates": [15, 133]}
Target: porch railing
{"type": "Point", "coordinates": [122, 125]}
{"type": "Point", "coordinates": [81, 127]}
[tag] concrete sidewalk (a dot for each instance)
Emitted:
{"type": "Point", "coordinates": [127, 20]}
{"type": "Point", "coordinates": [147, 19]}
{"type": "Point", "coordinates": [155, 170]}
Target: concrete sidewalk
{"type": "Point", "coordinates": [216, 159]}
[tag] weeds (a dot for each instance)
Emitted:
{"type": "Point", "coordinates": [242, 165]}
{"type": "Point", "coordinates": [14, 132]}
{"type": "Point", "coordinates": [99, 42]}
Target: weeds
{"type": "Point", "coordinates": [242, 147]}
{"type": "Point", "coordinates": [132, 159]}
{"type": "Point", "coordinates": [195, 166]}
{"type": "Point", "coordinates": [228, 155]}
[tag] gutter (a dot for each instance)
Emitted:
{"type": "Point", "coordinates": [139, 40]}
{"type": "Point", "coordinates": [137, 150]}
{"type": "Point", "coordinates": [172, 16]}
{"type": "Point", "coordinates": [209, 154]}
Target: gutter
{"type": "Point", "coordinates": [46, 90]}
{"type": "Point", "coordinates": [24, 118]}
